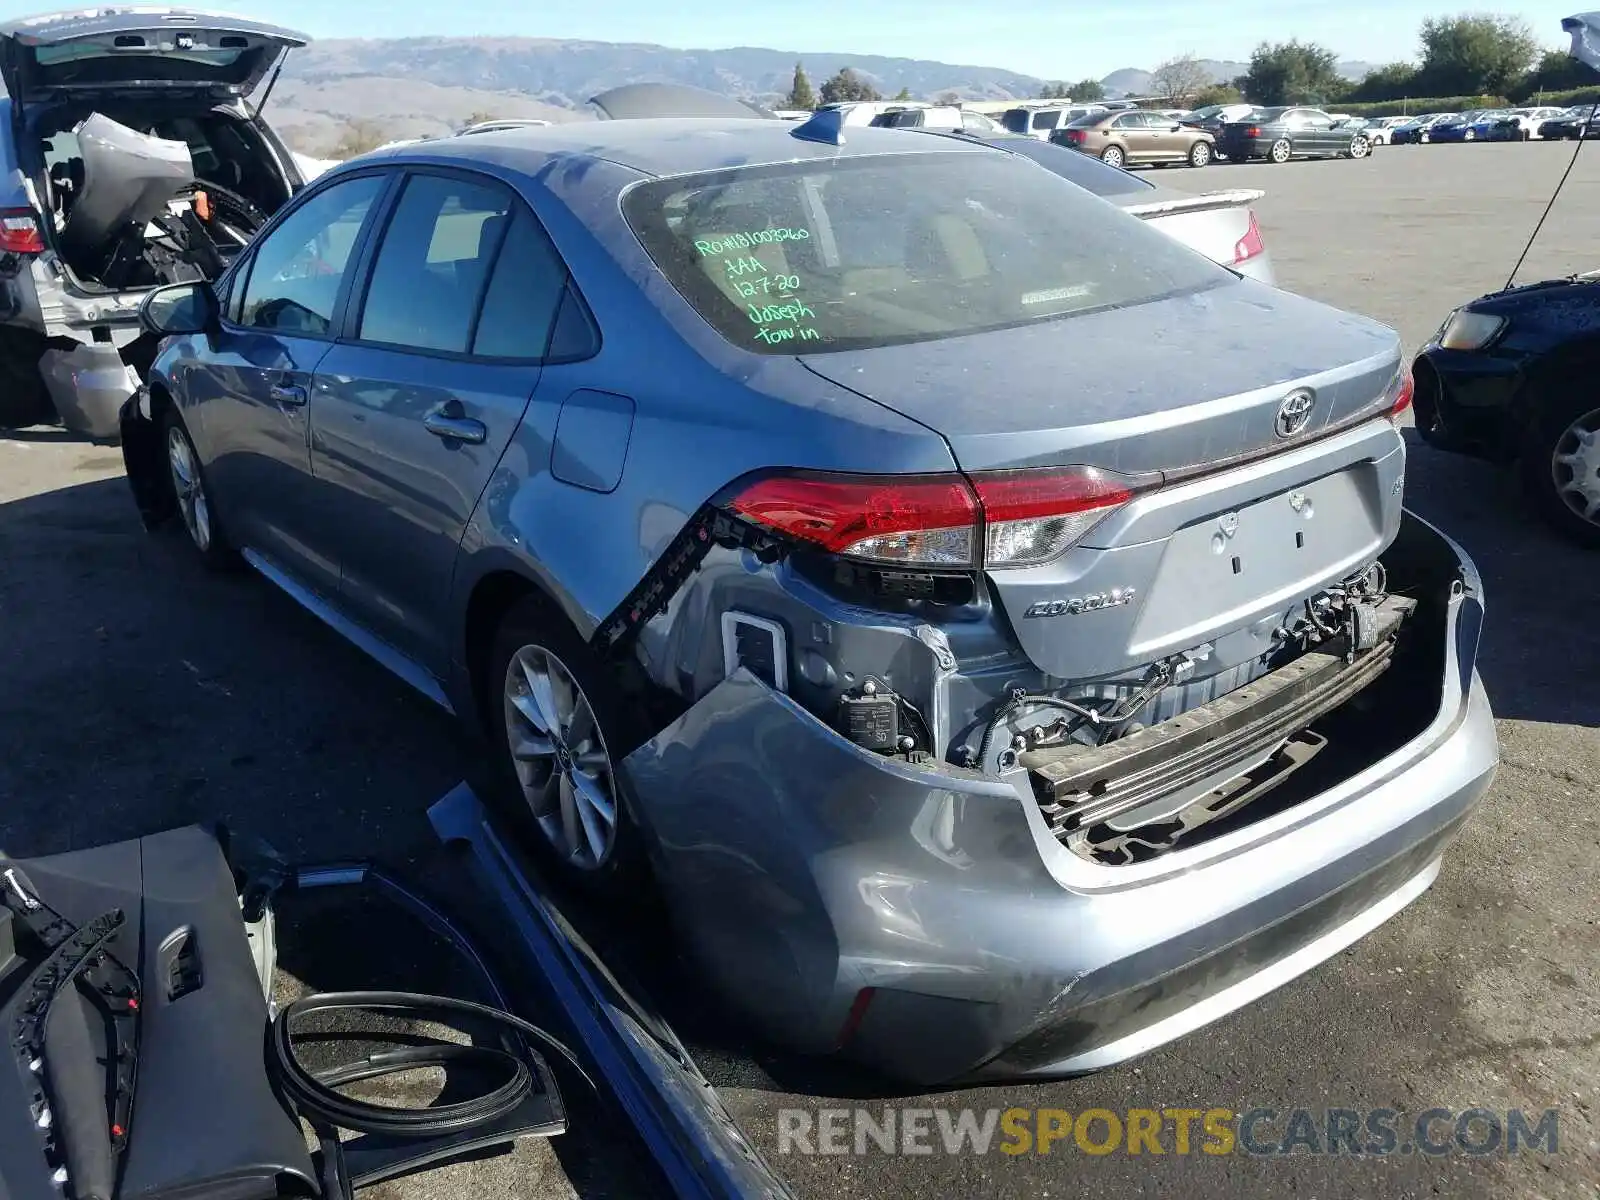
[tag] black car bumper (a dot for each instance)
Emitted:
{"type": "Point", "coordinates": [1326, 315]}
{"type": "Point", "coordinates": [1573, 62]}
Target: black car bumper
{"type": "Point", "coordinates": [1240, 149]}
{"type": "Point", "coordinates": [1469, 402]}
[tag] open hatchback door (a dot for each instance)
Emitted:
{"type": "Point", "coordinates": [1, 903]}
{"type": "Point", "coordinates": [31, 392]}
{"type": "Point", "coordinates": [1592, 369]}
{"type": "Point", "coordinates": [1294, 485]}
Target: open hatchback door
{"type": "Point", "coordinates": [148, 48]}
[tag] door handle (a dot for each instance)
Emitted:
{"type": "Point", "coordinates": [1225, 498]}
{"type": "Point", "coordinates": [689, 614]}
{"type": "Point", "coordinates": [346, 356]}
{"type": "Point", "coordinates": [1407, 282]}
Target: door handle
{"type": "Point", "coordinates": [287, 394]}
{"type": "Point", "coordinates": [456, 429]}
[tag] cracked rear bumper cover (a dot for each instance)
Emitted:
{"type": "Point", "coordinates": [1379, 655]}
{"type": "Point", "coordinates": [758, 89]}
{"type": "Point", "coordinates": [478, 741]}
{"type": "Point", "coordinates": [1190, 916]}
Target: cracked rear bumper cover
{"type": "Point", "coordinates": [802, 870]}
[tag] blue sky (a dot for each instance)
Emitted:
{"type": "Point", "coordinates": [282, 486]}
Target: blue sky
{"type": "Point", "coordinates": [1056, 39]}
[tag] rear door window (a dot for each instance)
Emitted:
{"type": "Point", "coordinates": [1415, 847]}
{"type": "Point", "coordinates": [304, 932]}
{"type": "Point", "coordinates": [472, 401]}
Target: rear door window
{"type": "Point", "coordinates": [433, 264]}
{"type": "Point", "coordinates": [1046, 119]}
{"type": "Point", "coordinates": [299, 267]}
{"type": "Point", "coordinates": [524, 293]}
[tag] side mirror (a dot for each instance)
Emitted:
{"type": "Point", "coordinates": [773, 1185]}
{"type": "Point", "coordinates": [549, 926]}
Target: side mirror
{"type": "Point", "coordinates": [1177, 127]}
{"type": "Point", "coordinates": [179, 308]}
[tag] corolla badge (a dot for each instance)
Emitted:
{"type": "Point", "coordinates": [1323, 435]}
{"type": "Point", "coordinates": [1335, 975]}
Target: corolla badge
{"type": "Point", "coordinates": [1294, 413]}
{"type": "Point", "coordinates": [1073, 605]}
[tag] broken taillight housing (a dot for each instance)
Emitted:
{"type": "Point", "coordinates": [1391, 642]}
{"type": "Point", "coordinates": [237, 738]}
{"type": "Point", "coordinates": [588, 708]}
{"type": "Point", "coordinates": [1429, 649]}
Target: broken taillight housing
{"type": "Point", "coordinates": [1250, 244]}
{"type": "Point", "coordinates": [19, 232]}
{"type": "Point", "coordinates": [996, 519]}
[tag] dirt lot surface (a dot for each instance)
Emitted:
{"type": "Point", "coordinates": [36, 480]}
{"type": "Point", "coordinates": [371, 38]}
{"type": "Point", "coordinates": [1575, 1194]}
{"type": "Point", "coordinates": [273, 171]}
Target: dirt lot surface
{"type": "Point", "coordinates": [139, 692]}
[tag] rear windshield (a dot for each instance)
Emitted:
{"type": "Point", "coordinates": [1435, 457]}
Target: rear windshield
{"type": "Point", "coordinates": [877, 250]}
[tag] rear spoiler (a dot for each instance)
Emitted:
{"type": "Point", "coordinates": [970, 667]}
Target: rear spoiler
{"type": "Point", "coordinates": [1205, 202]}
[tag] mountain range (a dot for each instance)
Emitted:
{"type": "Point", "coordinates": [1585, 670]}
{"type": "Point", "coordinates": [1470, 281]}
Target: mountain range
{"type": "Point", "coordinates": [416, 87]}
{"type": "Point", "coordinates": [380, 89]}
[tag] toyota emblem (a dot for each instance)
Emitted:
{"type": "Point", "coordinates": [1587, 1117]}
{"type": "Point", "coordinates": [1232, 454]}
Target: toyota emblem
{"type": "Point", "coordinates": [1294, 413]}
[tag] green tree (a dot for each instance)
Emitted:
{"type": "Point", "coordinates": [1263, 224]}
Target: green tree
{"type": "Point", "coordinates": [1087, 90]}
{"type": "Point", "coordinates": [903, 94]}
{"type": "Point", "coordinates": [1218, 93]}
{"type": "Point", "coordinates": [949, 98]}
{"type": "Point", "coordinates": [1394, 81]}
{"type": "Point", "coordinates": [1475, 54]}
{"type": "Point", "coordinates": [847, 85]}
{"type": "Point", "coordinates": [1055, 91]}
{"type": "Point", "coordinates": [800, 93]}
{"type": "Point", "coordinates": [1177, 79]}
{"type": "Point", "coordinates": [1292, 72]}
{"type": "Point", "coordinates": [1557, 71]}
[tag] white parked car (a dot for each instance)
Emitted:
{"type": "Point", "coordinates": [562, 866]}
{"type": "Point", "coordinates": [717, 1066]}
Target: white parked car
{"type": "Point", "coordinates": [1041, 120]}
{"type": "Point", "coordinates": [937, 116]}
{"type": "Point", "coordinates": [500, 126]}
{"type": "Point", "coordinates": [1380, 130]}
{"type": "Point", "coordinates": [1530, 121]}
{"type": "Point", "coordinates": [310, 167]}
{"type": "Point", "coordinates": [862, 112]}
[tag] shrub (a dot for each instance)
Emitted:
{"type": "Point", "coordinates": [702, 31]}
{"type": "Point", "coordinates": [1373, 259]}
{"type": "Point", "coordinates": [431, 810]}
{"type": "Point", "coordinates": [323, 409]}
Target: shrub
{"type": "Point", "coordinates": [1427, 104]}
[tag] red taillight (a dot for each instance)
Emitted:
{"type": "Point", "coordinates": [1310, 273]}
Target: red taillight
{"type": "Point", "coordinates": [1028, 516]}
{"type": "Point", "coordinates": [1404, 390]}
{"type": "Point", "coordinates": [1250, 244]}
{"type": "Point", "coordinates": [1076, 135]}
{"type": "Point", "coordinates": [1252, 131]}
{"type": "Point", "coordinates": [19, 232]}
{"type": "Point", "coordinates": [925, 519]}
{"type": "Point", "coordinates": [1032, 516]}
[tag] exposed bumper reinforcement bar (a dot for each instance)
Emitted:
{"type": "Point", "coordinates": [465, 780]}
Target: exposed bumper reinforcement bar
{"type": "Point", "coordinates": [1080, 786]}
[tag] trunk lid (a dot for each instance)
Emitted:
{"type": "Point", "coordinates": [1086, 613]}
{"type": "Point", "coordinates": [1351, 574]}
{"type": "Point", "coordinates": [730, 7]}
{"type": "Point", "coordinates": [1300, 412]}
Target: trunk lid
{"type": "Point", "coordinates": [148, 48]}
{"type": "Point", "coordinates": [1178, 389]}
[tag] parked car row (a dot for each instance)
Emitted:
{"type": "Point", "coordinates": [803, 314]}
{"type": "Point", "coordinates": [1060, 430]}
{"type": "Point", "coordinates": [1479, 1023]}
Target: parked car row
{"type": "Point", "coordinates": [1487, 125]}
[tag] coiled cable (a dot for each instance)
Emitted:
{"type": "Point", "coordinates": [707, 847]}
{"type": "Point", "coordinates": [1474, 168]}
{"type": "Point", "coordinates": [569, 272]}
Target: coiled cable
{"type": "Point", "coordinates": [315, 1094]}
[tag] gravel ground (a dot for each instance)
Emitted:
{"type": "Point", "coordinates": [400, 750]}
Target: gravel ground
{"type": "Point", "coordinates": [140, 693]}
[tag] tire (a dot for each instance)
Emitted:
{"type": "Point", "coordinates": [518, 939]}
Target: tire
{"type": "Point", "coordinates": [191, 495]}
{"type": "Point", "coordinates": [1360, 147]}
{"type": "Point", "coordinates": [564, 820]}
{"type": "Point", "coordinates": [24, 401]}
{"type": "Point", "coordinates": [1281, 151]}
{"type": "Point", "coordinates": [1558, 468]}
{"type": "Point", "coordinates": [1200, 154]}
{"type": "Point", "coordinates": [1114, 156]}
{"type": "Point", "coordinates": [1469, 136]}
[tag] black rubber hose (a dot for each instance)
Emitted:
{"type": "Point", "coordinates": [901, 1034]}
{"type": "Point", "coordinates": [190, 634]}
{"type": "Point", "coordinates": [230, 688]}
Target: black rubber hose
{"type": "Point", "coordinates": [314, 1094]}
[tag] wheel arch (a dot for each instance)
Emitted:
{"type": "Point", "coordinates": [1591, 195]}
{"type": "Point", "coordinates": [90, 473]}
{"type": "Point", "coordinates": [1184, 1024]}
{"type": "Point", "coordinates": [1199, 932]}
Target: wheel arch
{"type": "Point", "coordinates": [1544, 374]}
{"type": "Point", "coordinates": [496, 583]}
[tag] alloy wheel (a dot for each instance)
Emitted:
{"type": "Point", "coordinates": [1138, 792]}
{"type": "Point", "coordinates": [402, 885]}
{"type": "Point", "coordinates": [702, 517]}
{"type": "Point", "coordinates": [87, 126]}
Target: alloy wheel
{"type": "Point", "coordinates": [560, 758]}
{"type": "Point", "coordinates": [1112, 156]}
{"type": "Point", "coordinates": [1575, 466]}
{"type": "Point", "coordinates": [1200, 155]}
{"type": "Point", "coordinates": [1359, 148]}
{"type": "Point", "coordinates": [189, 488]}
{"type": "Point", "coordinates": [1281, 152]}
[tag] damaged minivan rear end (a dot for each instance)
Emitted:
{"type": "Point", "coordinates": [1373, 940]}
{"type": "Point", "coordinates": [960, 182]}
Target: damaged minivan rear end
{"type": "Point", "coordinates": [129, 158]}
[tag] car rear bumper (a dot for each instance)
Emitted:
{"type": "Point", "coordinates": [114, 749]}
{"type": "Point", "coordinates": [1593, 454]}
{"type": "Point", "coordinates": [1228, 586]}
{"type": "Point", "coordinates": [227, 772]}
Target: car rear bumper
{"type": "Point", "coordinates": [923, 919]}
{"type": "Point", "coordinates": [1238, 151]}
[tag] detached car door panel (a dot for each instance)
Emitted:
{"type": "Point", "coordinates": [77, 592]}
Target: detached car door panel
{"type": "Point", "coordinates": [413, 409]}
{"type": "Point", "coordinates": [250, 399]}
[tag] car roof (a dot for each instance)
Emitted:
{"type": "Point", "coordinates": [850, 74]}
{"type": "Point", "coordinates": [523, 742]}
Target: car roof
{"type": "Point", "coordinates": [672, 145]}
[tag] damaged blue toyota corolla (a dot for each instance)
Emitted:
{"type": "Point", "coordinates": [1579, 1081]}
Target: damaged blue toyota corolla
{"type": "Point", "coordinates": [1007, 651]}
